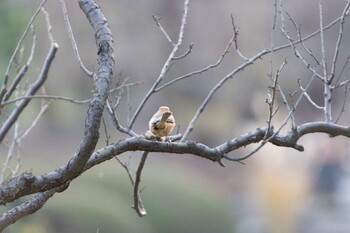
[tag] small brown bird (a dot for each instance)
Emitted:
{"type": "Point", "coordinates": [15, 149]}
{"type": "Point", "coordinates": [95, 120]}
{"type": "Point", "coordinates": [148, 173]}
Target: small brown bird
{"type": "Point", "coordinates": [162, 123]}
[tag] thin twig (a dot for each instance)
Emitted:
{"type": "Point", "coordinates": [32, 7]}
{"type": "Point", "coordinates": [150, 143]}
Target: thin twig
{"type": "Point", "coordinates": [50, 97]}
{"type": "Point", "coordinates": [32, 90]}
{"type": "Point", "coordinates": [111, 107]}
{"type": "Point", "coordinates": [113, 116]}
{"type": "Point", "coordinates": [271, 100]}
{"type": "Point", "coordinates": [272, 96]}
{"type": "Point", "coordinates": [213, 91]}
{"type": "Point", "coordinates": [339, 40]}
{"type": "Point", "coordinates": [48, 25]}
{"type": "Point", "coordinates": [21, 41]}
{"type": "Point", "coordinates": [308, 97]}
{"type": "Point", "coordinates": [157, 19]}
{"type": "Point", "coordinates": [343, 106]}
{"type": "Point", "coordinates": [138, 206]}
{"type": "Point", "coordinates": [346, 82]}
{"type": "Point", "coordinates": [292, 44]}
{"type": "Point", "coordinates": [125, 85]}
{"type": "Point", "coordinates": [185, 54]}
{"type": "Point", "coordinates": [278, 87]}
{"type": "Point", "coordinates": [244, 65]}
{"type": "Point", "coordinates": [273, 135]}
{"type": "Point", "coordinates": [23, 71]}
{"type": "Point", "coordinates": [341, 72]}
{"type": "Point", "coordinates": [35, 121]}
{"type": "Point", "coordinates": [72, 40]}
{"type": "Point", "coordinates": [165, 66]}
{"type": "Point", "coordinates": [18, 46]}
{"type": "Point", "coordinates": [298, 29]}
{"type": "Point", "coordinates": [10, 152]}
{"type": "Point", "coordinates": [200, 71]}
{"type": "Point", "coordinates": [17, 138]}
{"type": "Point", "coordinates": [127, 169]}
{"type": "Point", "coordinates": [235, 38]}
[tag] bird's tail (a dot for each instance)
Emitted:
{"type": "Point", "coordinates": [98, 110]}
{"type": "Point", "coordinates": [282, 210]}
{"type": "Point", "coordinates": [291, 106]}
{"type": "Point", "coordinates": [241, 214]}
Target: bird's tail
{"type": "Point", "coordinates": [161, 123]}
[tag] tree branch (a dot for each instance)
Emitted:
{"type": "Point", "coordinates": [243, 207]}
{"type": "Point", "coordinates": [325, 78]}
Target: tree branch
{"type": "Point", "coordinates": [32, 90]}
{"type": "Point", "coordinates": [138, 205]}
{"type": "Point", "coordinates": [3, 89]}
{"type": "Point", "coordinates": [165, 66]}
{"type": "Point", "coordinates": [26, 183]}
{"type": "Point", "coordinates": [215, 154]}
{"type": "Point", "coordinates": [72, 40]}
{"type": "Point", "coordinates": [22, 72]}
{"type": "Point", "coordinates": [28, 207]}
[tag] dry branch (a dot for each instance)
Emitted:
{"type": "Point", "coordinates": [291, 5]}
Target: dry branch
{"type": "Point", "coordinates": [28, 184]}
{"type": "Point", "coordinates": [32, 90]}
{"type": "Point", "coordinates": [85, 157]}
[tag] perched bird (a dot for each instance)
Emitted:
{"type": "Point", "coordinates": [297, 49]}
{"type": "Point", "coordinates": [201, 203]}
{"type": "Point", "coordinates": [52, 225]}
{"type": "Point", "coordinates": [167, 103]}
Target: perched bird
{"type": "Point", "coordinates": [162, 123]}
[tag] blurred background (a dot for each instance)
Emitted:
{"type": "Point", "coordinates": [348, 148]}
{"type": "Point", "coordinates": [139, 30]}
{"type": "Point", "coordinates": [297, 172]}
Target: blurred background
{"type": "Point", "coordinates": [276, 190]}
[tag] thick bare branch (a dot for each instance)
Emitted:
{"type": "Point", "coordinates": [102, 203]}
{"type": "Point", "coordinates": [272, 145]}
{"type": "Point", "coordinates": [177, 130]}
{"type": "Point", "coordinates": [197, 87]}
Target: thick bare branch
{"type": "Point", "coordinates": [104, 42]}
{"type": "Point", "coordinates": [327, 95]}
{"type": "Point", "coordinates": [28, 207]}
{"type": "Point", "coordinates": [28, 184]}
{"type": "Point", "coordinates": [85, 157]}
{"type": "Point", "coordinates": [216, 153]}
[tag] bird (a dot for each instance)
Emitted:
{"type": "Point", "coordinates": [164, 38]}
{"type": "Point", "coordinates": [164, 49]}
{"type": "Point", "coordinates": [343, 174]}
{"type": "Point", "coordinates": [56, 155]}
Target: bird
{"type": "Point", "coordinates": [162, 122]}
